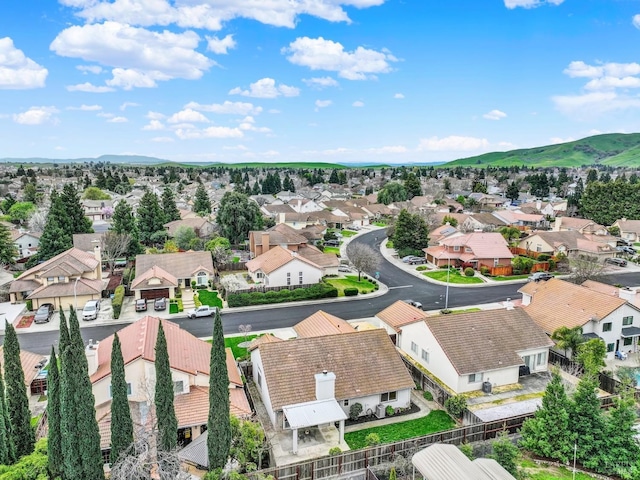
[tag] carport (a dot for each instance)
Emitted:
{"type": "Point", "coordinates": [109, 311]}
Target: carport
{"type": "Point", "coordinates": [301, 417]}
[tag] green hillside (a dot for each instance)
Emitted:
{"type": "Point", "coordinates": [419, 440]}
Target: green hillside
{"type": "Point", "coordinates": [616, 149]}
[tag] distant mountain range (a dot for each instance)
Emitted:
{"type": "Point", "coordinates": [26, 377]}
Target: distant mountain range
{"type": "Point", "coordinates": [615, 149]}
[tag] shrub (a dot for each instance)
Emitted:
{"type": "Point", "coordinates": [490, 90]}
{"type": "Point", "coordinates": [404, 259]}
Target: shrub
{"type": "Point", "coordinates": [428, 395]}
{"type": "Point", "coordinates": [178, 292]}
{"type": "Point", "coordinates": [29, 305]}
{"type": "Point", "coordinates": [193, 284]}
{"type": "Point", "coordinates": [404, 252]}
{"type": "Point", "coordinates": [469, 272]}
{"type": "Point", "coordinates": [118, 298]}
{"type": "Point", "coordinates": [334, 451]}
{"type": "Point", "coordinates": [350, 292]}
{"type": "Point", "coordinates": [421, 268]}
{"type": "Point", "coordinates": [552, 264]}
{"type": "Point", "coordinates": [321, 290]}
{"type": "Point", "coordinates": [393, 475]}
{"type": "Point", "coordinates": [355, 410]}
{"type": "Point", "coordinates": [389, 411]}
{"type": "Point", "coordinates": [456, 405]}
{"type": "Point", "coordinates": [372, 439]}
{"type": "Point", "coordinates": [485, 270]}
{"type": "Point", "coordinates": [543, 257]}
{"type": "Point", "coordinates": [467, 449]}
{"type": "Point", "coordinates": [196, 300]}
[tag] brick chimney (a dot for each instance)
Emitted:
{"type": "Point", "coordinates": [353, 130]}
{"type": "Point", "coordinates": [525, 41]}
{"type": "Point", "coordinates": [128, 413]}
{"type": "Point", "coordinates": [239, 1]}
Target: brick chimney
{"type": "Point", "coordinates": [325, 385]}
{"type": "Point", "coordinates": [91, 352]}
{"type": "Point", "coordinates": [265, 242]}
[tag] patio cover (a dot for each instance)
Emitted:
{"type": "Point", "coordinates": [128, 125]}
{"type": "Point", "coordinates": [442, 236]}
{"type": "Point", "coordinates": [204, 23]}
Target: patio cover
{"type": "Point", "coordinates": [630, 332]}
{"type": "Point", "coordinates": [317, 412]}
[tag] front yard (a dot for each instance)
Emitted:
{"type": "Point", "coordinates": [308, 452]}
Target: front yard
{"type": "Point", "coordinates": [350, 281]}
{"type": "Point", "coordinates": [335, 250]}
{"type": "Point", "coordinates": [210, 298]}
{"type": "Point", "coordinates": [454, 277]}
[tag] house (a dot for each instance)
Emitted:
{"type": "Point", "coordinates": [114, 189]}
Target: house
{"type": "Point", "coordinates": [396, 316]}
{"type": "Point", "coordinates": [566, 242]}
{"type": "Point", "coordinates": [442, 232]}
{"type": "Point", "coordinates": [96, 210]}
{"type": "Point", "coordinates": [26, 243]}
{"type": "Point", "coordinates": [189, 359]}
{"type": "Point", "coordinates": [321, 324]}
{"type": "Point", "coordinates": [629, 229]}
{"type": "Point", "coordinates": [488, 201]}
{"type": "Point", "coordinates": [159, 275]}
{"type": "Point", "coordinates": [87, 241]}
{"type": "Point", "coordinates": [581, 225]}
{"type": "Point", "coordinates": [34, 367]}
{"type": "Point", "coordinates": [477, 347]}
{"type": "Point", "coordinates": [296, 377]}
{"type": "Point", "coordinates": [523, 220]}
{"type": "Point", "coordinates": [557, 303]}
{"type": "Point", "coordinates": [72, 277]}
{"type": "Point", "coordinates": [279, 267]}
{"type": "Point", "coordinates": [304, 205]}
{"type": "Point", "coordinates": [477, 249]}
{"type": "Point", "coordinates": [279, 235]}
{"type": "Point", "coordinates": [201, 226]}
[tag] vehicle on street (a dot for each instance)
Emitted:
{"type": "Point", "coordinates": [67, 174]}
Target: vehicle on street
{"type": "Point", "coordinates": [160, 304]}
{"type": "Point", "coordinates": [413, 303]}
{"type": "Point", "coordinates": [141, 305]}
{"type": "Point", "coordinates": [417, 261]}
{"type": "Point", "coordinates": [618, 262]}
{"type": "Point", "coordinates": [90, 310]}
{"type": "Point", "coordinates": [540, 276]}
{"type": "Point", "coordinates": [202, 311]}
{"type": "Point", "coordinates": [44, 313]}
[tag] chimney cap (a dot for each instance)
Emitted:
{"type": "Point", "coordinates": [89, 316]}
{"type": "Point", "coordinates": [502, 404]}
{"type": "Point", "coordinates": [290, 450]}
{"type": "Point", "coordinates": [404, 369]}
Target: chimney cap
{"type": "Point", "coordinates": [324, 372]}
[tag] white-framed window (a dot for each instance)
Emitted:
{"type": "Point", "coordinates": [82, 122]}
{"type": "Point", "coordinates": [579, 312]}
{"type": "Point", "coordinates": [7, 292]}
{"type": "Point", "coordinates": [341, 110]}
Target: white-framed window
{"type": "Point", "coordinates": [425, 355]}
{"type": "Point", "coordinates": [201, 278]}
{"type": "Point", "coordinates": [389, 397]}
{"type": "Point", "coordinates": [414, 347]}
{"type": "Point", "coordinates": [259, 380]}
{"type": "Point", "coordinates": [541, 358]}
{"type": "Point", "coordinates": [288, 278]}
{"type": "Point", "coordinates": [606, 327]}
{"type": "Point", "coordinates": [475, 378]}
{"type": "Point", "coordinates": [178, 386]}
{"type": "Point", "coordinates": [627, 341]}
{"type": "Point", "coordinates": [128, 390]}
{"type": "Point", "coordinates": [50, 279]}
{"type": "Point", "coordinates": [611, 347]}
{"type": "Point", "coordinates": [61, 280]}
{"type": "Point", "coordinates": [456, 248]}
{"type": "Point", "coordinates": [259, 275]}
{"type": "Point", "coordinates": [627, 320]}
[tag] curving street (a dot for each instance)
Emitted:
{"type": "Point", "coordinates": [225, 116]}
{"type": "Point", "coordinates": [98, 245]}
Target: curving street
{"type": "Point", "coordinates": [402, 285]}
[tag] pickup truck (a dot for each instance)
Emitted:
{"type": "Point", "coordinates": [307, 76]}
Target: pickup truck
{"type": "Point", "coordinates": [202, 311]}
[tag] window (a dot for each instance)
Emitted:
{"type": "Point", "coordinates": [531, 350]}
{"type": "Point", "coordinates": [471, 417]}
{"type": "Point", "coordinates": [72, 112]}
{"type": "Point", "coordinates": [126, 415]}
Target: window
{"type": "Point", "coordinates": [259, 275]}
{"type": "Point", "coordinates": [201, 278]}
{"type": "Point", "coordinates": [60, 279]}
{"type": "Point", "coordinates": [606, 327]}
{"type": "Point", "coordinates": [288, 278]}
{"type": "Point", "coordinates": [128, 390]}
{"type": "Point", "coordinates": [178, 386]}
{"type": "Point", "coordinates": [346, 402]}
{"type": "Point", "coordinates": [627, 320]}
{"type": "Point", "coordinates": [541, 358]}
{"type": "Point", "coordinates": [259, 378]}
{"type": "Point", "coordinates": [414, 347]}
{"type": "Point", "coordinates": [627, 341]}
{"type": "Point", "coordinates": [610, 347]}
{"type": "Point", "coordinates": [456, 248]}
{"type": "Point", "coordinates": [300, 278]}
{"type": "Point", "coordinates": [425, 355]}
{"type": "Point", "coordinates": [50, 279]}
{"type": "Point", "coordinates": [468, 249]}
{"type": "Point", "coordinates": [389, 397]}
{"type": "Point", "coordinates": [475, 378]}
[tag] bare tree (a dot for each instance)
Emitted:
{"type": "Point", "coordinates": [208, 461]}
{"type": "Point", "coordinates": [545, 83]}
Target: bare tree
{"type": "Point", "coordinates": [114, 245]}
{"type": "Point", "coordinates": [38, 219]}
{"type": "Point", "coordinates": [362, 257]}
{"type": "Point", "coordinates": [245, 330]}
{"type": "Point", "coordinates": [585, 267]}
{"type": "Point", "coordinates": [221, 256]}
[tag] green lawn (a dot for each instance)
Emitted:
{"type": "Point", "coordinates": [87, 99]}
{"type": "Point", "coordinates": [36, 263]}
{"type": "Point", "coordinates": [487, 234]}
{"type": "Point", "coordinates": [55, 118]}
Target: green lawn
{"type": "Point", "coordinates": [534, 471]}
{"type": "Point", "coordinates": [238, 352]}
{"type": "Point", "coordinates": [348, 233]}
{"type": "Point", "coordinates": [209, 298]}
{"type": "Point", "coordinates": [380, 224]}
{"type": "Point", "coordinates": [389, 243]}
{"type": "Point", "coordinates": [436, 421]}
{"type": "Point", "coordinates": [501, 278]}
{"type": "Point", "coordinates": [454, 277]}
{"type": "Point", "coordinates": [350, 281]}
{"type": "Point", "coordinates": [335, 250]}
{"type": "Point", "coordinates": [465, 310]}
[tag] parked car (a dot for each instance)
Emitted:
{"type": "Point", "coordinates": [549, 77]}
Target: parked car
{"type": "Point", "coordinates": [627, 249]}
{"type": "Point", "coordinates": [344, 269]}
{"type": "Point", "coordinates": [540, 276]}
{"type": "Point", "coordinates": [413, 303]}
{"type": "Point", "coordinates": [618, 262]}
{"type": "Point", "coordinates": [407, 258]}
{"type": "Point", "coordinates": [141, 305]}
{"type": "Point", "coordinates": [160, 304]}
{"type": "Point", "coordinates": [90, 310]}
{"type": "Point", "coordinates": [44, 313]}
{"type": "Point", "coordinates": [332, 243]}
{"type": "Point", "coordinates": [417, 261]}
{"type": "Point", "coordinates": [202, 311]}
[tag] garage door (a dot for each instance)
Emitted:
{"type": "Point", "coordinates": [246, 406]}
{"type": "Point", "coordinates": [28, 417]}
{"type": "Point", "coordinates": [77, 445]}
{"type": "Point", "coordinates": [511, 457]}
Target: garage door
{"type": "Point", "coordinates": [153, 294]}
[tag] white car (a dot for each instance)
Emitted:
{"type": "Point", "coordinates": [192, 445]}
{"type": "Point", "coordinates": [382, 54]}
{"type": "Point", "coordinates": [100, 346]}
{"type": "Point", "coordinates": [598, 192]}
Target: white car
{"type": "Point", "coordinates": [90, 310]}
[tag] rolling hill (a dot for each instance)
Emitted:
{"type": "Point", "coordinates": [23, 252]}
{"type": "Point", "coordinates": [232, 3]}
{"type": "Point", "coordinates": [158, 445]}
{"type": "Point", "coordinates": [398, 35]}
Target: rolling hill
{"type": "Point", "coordinates": [615, 149]}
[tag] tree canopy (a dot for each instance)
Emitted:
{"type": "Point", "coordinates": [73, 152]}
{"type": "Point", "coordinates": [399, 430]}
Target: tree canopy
{"type": "Point", "coordinates": [237, 216]}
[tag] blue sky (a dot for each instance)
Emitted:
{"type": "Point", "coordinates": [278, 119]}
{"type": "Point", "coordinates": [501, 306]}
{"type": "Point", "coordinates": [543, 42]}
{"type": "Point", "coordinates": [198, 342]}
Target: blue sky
{"type": "Point", "coordinates": [375, 81]}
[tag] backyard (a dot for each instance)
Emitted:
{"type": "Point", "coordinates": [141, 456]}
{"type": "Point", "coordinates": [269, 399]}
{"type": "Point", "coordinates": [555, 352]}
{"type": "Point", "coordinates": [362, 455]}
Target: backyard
{"type": "Point", "coordinates": [454, 276]}
{"type": "Point", "coordinates": [234, 342]}
{"type": "Point", "coordinates": [350, 281]}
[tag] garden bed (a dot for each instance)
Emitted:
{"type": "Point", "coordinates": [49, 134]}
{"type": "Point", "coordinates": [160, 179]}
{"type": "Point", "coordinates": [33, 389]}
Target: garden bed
{"type": "Point", "coordinates": [25, 321]}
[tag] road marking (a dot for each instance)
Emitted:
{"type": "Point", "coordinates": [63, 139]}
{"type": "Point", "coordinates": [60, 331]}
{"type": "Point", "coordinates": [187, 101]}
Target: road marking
{"type": "Point", "coordinates": [401, 286]}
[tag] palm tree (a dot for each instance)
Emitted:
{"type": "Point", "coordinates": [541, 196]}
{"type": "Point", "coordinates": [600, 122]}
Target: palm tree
{"type": "Point", "coordinates": [568, 339]}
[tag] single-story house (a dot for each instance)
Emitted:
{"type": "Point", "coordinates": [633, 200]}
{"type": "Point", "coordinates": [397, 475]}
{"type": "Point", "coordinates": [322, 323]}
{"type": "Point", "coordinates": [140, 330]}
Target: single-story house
{"type": "Point", "coordinates": [202, 227]}
{"type": "Point", "coordinates": [566, 242]}
{"type": "Point", "coordinates": [629, 229]}
{"type": "Point", "coordinates": [279, 267]}
{"type": "Point", "coordinates": [321, 324]}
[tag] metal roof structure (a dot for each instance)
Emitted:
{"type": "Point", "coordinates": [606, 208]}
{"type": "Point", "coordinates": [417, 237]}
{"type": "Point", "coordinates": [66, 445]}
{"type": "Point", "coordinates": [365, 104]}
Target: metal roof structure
{"type": "Point", "coordinates": [317, 412]}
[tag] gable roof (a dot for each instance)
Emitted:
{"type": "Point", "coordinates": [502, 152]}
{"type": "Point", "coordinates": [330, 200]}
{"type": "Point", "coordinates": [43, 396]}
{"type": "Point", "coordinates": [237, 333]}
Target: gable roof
{"type": "Point", "coordinates": [73, 261]}
{"type": "Point", "coordinates": [280, 234]}
{"type": "Point", "coordinates": [290, 366]}
{"type": "Point", "coordinates": [181, 265]}
{"type": "Point", "coordinates": [628, 225]}
{"type": "Point", "coordinates": [400, 313]}
{"type": "Point", "coordinates": [194, 222]}
{"type": "Point", "coordinates": [556, 303]}
{"type": "Point", "coordinates": [275, 258]}
{"type": "Point", "coordinates": [482, 244]}
{"type": "Point", "coordinates": [322, 323]}
{"type": "Point", "coordinates": [87, 241]}
{"type": "Point", "coordinates": [166, 279]}
{"type": "Point", "coordinates": [28, 360]}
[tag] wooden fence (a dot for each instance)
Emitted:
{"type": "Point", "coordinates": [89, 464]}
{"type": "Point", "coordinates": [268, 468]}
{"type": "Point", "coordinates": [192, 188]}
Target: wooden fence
{"type": "Point", "coordinates": [527, 253]}
{"type": "Point", "coordinates": [499, 270]}
{"type": "Point", "coordinates": [232, 266]}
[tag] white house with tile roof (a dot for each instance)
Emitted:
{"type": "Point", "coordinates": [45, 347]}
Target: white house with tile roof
{"type": "Point", "coordinates": [396, 316]}
{"type": "Point", "coordinates": [281, 267]}
{"type": "Point", "coordinates": [320, 324]}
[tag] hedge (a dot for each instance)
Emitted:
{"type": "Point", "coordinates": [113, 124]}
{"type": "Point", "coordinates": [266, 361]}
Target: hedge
{"type": "Point", "coordinates": [321, 290]}
{"type": "Point", "coordinates": [350, 292]}
{"type": "Point", "coordinates": [118, 298]}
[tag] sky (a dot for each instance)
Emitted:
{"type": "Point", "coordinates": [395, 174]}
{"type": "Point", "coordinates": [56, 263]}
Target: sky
{"type": "Point", "coordinates": [343, 81]}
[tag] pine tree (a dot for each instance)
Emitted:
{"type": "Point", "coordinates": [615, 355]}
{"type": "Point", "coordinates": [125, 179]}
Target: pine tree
{"type": "Point", "coordinates": [165, 411]}
{"type": "Point", "coordinates": [121, 424]}
{"type": "Point", "coordinates": [16, 395]}
{"type": "Point", "coordinates": [8, 250]}
{"type": "Point", "coordinates": [587, 421]}
{"type": "Point", "coordinates": [54, 437]}
{"type": "Point", "coordinates": [78, 223]}
{"type": "Point", "coordinates": [149, 217]}
{"type": "Point", "coordinates": [5, 440]}
{"type": "Point", "coordinates": [202, 204]}
{"type": "Point", "coordinates": [169, 208]}
{"type": "Point", "coordinates": [124, 222]}
{"type": "Point", "coordinates": [218, 425]}
{"type": "Point", "coordinates": [55, 237]}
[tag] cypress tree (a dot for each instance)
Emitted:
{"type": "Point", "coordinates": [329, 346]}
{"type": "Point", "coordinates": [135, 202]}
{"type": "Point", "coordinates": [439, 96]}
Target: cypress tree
{"type": "Point", "coordinates": [201, 204]}
{"type": "Point", "coordinates": [55, 237]}
{"type": "Point", "coordinates": [219, 423]}
{"type": "Point", "coordinates": [4, 437]}
{"type": "Point", "coordinates": [77, 222]}
{"type": "Point", "coordinates": [16, 395]}
{"type": "Point", "coordinates": [165, 411]}
{"type": "Point", "coordinates": [169, 208]}
{"type": "Point", "coordinates": [121, 424]}
{"type": "Point", "coordinates": [149, 217]}
{"type": "Point", "coordinates": [54, 443]}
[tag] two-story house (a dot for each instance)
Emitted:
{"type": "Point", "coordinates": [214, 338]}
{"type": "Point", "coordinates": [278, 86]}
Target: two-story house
{"type": "Point", "coordinates": [477, 249]}
{"type": "Point", "coordinates": [96, 210]}
{"type": "Point", "coordinates": [202, 227]}
{"type": "Point", "coordinates": [26, 243]}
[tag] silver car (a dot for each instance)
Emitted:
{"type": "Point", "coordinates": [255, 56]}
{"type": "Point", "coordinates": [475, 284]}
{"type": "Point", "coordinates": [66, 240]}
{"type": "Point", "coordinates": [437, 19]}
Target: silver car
{"type": "Point", "coordinates": [90, 310]}
{"type": "Point", "coordinates": [44, 313]}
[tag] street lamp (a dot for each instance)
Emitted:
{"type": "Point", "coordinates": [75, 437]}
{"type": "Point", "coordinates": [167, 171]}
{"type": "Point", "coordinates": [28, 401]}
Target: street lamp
{"type": "Point", "coordinates": [75, 295]}
{"type": "Point", "coordinates": [446, 295]}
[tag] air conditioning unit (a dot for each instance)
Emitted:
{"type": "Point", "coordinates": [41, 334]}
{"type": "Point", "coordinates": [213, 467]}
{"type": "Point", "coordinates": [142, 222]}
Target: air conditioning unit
{"type": "Point", "coordinates": [380, 412]}
{"type": "Point", "coordinates": [486, 387]}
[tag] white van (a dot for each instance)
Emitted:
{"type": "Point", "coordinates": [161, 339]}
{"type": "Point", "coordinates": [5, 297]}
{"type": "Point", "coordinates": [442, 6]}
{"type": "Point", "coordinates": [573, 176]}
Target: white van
{"type": "Point", "coordinates": [90, 310]}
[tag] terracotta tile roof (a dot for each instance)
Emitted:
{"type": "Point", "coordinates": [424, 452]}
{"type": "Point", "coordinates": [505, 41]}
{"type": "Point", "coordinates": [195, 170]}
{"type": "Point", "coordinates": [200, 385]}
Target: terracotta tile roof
{"type": "Point", "coordinates": [85, 286]}
{"type": "Point", "coordinates": [314, 255]}
{"type": "Point", "coordinates": [74, 260]}
{"type": "Point", "coordinates": [365, 363]}
{"type": "Point", "coordinates": [322, 323]}
{"type": "Point", "coordinates": [399, 314]}
{"type": "Point", "coordinates": [601, 287]}
{"type": "Point", "coordinates": [486, 340]}
{"type": "Point", "coordinates": [556, 303]}
{"type": "Point", "coordinates": [276, 258]}
{"type": "Point", "coordinates": [194, 222]}
{"type": "Point", "coordinates": [186, 352]}
{"type": "Point", "coordinates": [232, 368]}
{"type": "Point", "coordinates": [29, 360]}
{"type": "Point", "coordinates": [483, 244]}
{"type": "Point", "coordinates": [23, 286]}
{"type": "Point", "coordinates": [155, 272]}
{"type": "Point", "coordinates": [266, 338]}
{"type": "Point", "coordinates": [181, 265]}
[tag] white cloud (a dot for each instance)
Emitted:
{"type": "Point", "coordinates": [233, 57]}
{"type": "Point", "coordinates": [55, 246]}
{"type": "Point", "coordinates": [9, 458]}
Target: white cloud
{"type": "Point", "coordinates": [188, 115]}
{"type": "Point", "coordinates": [494, 115]}
{"type": "Point", "coordinates": [221, 46]}
{"type": "Point", "coordinates": [581, 69]}
{"type": "Point", "coordinates": [18, 72]}
{"type": "Point", "coordinates": [210, 132]}
{"type": "Point", "coordinates": [453, 143]}
{"type": "Point", "coordinates": [95, 69]}
{"type": "Point", "coordinates": [88, 87]}
{"type": "Point", "coordinates": [530, 3]}
{"type": "Point", "coordinates": [590, 105]}
{"type": "Point", "coordinates": [126, 105]}
{"type": "Point", "coordinates": [155, 115]}
{"type": "Point", "coordinates": [320, 82]}
{"type": "Point", "coordinates": [118, 120]}
{"type": "Point", "coordinates": [266, 88]}
{"type": "Point", "coordinates": [323, 103]}
{"type": "Point", "coordinates": [36, 116]}
{"type": "Point", "coordinates": [154, 125]}
{"type": "Point", "coordinates": [636, 21]}
{"type": "Point", "coordinates": [227, 108]}
{"type": "Point", "coordinates": [321, 54]}
{"type": "Point", "coordinates": [235, 147]}
{"type": "Point", "coordinates": [357, 103]}
{"type": "Point", "coordinates": [163, 139]}
{"type": "Point", "coordinates": [248, 123]}
{"type": "Point", "coordinates": [165, 55]}
{"type": "Point", "coordinates": [387, 150]}
{"type": "Point", "coordinates": [556, 140]}
{"type": "Point", "coordinates": [610, 83]}
{"type": "Point", "coordinates": [86, 108]}
{"type": "Point", "coordinates": [398, 96]}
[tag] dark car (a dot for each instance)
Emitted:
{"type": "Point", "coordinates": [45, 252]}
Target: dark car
{"type": "Point", "coordinates": [160, 304]}
{"type": "Point", "coordinates": [44, 313]}
{"type": "Point", "coordinates": [619, 262]}
{"type": "Point", "coordinates": [141, 305]}
{"type": "Point", "coordinates": [540, 276]}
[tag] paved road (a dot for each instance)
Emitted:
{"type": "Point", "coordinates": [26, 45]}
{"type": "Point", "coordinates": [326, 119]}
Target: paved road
{"type": "Point", "coordinates": [402, 285]}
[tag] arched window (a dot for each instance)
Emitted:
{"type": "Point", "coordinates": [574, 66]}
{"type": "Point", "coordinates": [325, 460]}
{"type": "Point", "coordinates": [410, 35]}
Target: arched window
{"type": "Point", "coordinates": [201, 278]}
